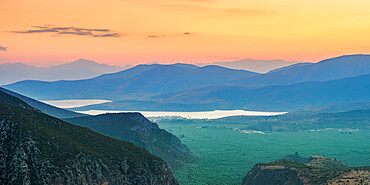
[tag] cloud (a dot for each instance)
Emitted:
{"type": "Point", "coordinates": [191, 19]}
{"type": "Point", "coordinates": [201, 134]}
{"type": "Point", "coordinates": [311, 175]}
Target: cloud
{"type": "Point", "coordinates": [108, 35]}
{"type": "Point", "coordinates": [160, 36]}
{"type": "Point", "coordinates": [71, 31]}
{"type": "Point", "coordinates": [155, 36]}
{"type": "Point", "coordinates": [2, 48]}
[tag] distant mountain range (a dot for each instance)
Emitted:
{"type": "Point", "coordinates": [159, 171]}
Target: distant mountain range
{"type": "Point", "coordinates": [36, 148]}
{"type": "Point", "coordinates": [258, 66]}
{"type": "Point", "coordinates": [338, 80]}
{"type": "Point", "coordinates": [269, 98]}
{"type": "Point", "coordinates": [79, 69]}
{"type": "Point", "coordinates": [330, 69]}
{"type": "Point", "coordinates": [278, 97]}
{"type": "Point", "coordinates": [139, 82]}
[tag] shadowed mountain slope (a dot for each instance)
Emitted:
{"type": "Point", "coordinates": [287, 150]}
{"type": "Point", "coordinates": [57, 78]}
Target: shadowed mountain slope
{"type": "Point", "coordinates": [36, 148]}
{"type": "Point", "coordinates": [43, 107]}
{"type": "Point", "coordinates": [135, 128]}
{"type": "Point", "coordinates": [279, 97]}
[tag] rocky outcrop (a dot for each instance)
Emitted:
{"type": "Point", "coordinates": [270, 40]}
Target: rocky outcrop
{"type": "Point", "coordinates": [315, 170]}
{"type": "Point", "coordinates": [272, 175]}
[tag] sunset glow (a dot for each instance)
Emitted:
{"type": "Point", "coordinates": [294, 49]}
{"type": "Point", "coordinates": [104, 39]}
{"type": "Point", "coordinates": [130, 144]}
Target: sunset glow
{"type": "Point", "coordinates": [191, 31]}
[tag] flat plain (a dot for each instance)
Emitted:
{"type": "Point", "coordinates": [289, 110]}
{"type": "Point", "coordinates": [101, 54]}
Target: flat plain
{"type": "Point", "coordinates": [225, 153]}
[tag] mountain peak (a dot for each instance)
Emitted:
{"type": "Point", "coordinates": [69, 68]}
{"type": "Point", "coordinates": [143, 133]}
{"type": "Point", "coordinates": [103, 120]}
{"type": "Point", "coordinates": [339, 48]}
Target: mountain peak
{"type": "Point", "coordinates": [344, 58]}
{"type": "Point", "coordinates": [83, 61]}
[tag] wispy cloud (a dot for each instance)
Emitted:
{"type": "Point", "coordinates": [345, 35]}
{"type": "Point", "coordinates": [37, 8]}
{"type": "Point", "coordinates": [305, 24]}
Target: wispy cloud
{"type": "Point", "coordinates": [156, 36]}
{"type": "Point", "coordinates": [160, 36]}
{"type": "Point", "coordinates": [2, 48]}
{"type": "Point", "coordinates": [71, 31]}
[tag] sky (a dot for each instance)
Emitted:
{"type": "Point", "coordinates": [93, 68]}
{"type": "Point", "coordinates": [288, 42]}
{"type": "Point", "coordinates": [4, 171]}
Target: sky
{"type": "Point", "coordinates": [120, 32]}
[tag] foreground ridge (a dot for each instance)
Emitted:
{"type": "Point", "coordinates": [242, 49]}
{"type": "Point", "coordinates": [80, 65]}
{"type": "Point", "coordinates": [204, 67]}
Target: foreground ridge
{"type": "Point", "coordinates": [39, 149]}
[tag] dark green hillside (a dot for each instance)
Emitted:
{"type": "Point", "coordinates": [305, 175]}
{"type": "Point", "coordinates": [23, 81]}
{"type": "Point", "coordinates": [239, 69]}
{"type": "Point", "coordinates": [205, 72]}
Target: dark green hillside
{"type": "Point", "coordinates": [37, 149]}
{"type": "Point", "coordinates": [6, 98]}
{"type": "Point", "coordinates": [134, 127]}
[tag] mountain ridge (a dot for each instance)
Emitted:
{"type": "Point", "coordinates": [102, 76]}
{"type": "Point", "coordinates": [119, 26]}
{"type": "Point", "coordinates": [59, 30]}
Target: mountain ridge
{"type": "Point", "coordinates": [330, 69]}
{"type": "Point", "coordinates": [135, 128]}
{"type": "Point", "coordinates": [79, 69]}
{"type": "Point", "coordinates": [269, 98]}
{"type": "Point", "coordinates": [258, 66]}
{"type": "Point", "coordinates": [136, 83]}
{"type": "Point", "coordinates": [43, 107]}
{"type": "Point", "coordinates": [36, 148]}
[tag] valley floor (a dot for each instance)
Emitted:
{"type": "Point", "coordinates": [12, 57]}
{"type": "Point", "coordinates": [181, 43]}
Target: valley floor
{"type": "Point", "coordinates": [225, 154]}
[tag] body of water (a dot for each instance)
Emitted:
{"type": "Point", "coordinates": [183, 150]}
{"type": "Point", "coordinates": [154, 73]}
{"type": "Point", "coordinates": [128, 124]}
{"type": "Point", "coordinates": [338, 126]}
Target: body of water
{"type": "Point", "coordinates": [75, 103]}
{"type": "Point", "coordinates": [192, 115]}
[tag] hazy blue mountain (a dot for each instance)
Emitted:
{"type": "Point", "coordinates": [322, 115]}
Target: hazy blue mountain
{"type": "Point", "coordinates": [335, 108]}
{"type": "Point", "coordinates": [135, 128]}
{"type": "Point", "coordinates": [330, 69]}
{"type": "Point", "coordinates": [269, 98]}
{"type": "Point", "coordinates": [258, 66]}
{"type": "Point", "coordinates": [277, 98]}
{"type": "Point", "coordinates": [136, 83]}
{"type": "Point", "coordinates": [79, 69]}
{"type": "Point", "coordinates": [43, 107]}
{"type": "Point", "coordinates": [290, 66]}
{"type": "Point", "coordinates": [36, 148]}
{"type": "Point", "coordinates": [136, 105]}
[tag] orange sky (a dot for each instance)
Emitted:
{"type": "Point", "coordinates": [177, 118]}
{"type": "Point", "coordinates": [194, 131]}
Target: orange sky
{"type": "Point", "coordinates": [191, 31]}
